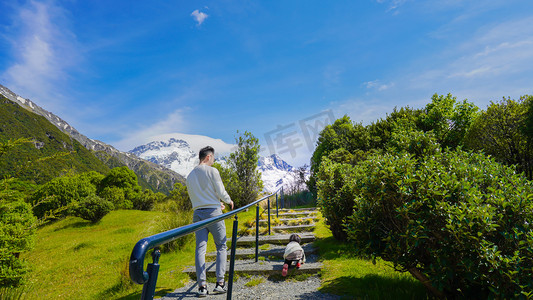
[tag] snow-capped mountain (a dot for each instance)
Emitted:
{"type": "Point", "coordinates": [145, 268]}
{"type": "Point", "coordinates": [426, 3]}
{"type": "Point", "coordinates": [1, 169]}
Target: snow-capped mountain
{"type": "Point", "coordinates": [275, 172]}
{"type": "Point", "coordinates": [177, 154]}
{"type": "Point", "coordinates": [174, 154]}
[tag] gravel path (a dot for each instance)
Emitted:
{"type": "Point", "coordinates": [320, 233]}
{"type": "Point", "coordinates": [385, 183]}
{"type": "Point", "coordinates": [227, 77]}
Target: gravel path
{"type": "Point", "coordinates": [267, 289]}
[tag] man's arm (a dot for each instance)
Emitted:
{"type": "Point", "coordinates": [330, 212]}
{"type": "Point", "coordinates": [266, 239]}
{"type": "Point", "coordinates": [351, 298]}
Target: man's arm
{"type": "Point", "coordinates": [220, 190]}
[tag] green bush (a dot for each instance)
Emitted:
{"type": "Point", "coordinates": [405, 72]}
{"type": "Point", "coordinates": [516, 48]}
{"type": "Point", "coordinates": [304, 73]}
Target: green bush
{"type": "Point", "coordinates": [17, 232]}
{"type": "Point", "coordinates": [336, 195]}
{"type": "Point", "coordinates": [181, 197]}
{"type": "Point", "coordinates": [460, 219]}
{"type": "Point", "coordinates": [53, 199]}
{"type": "Point", "coordinates": [147, 199]}
{"type": "Point", "coordinates": [120, 187]}
{"type": "Point", "coordinates": [92, 208]}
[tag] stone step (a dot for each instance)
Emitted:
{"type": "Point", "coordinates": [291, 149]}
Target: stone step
{"type": "Point", "coordinates": [298, 209]}
{"type": "Point", "coordinates": [294, 228]}
{"type": "Point", "coordinates": [249, 266]}
{"type": "Point", "coordinates": [290, 219]}
{"type": "Point", "coordinates": [295, 214]}
{"type": "Point", "coordinates": [272, 251]}
{"type": "Point", "coordinates": [262, 226]}
{"type": "Point", "coordinates": [278, 239]}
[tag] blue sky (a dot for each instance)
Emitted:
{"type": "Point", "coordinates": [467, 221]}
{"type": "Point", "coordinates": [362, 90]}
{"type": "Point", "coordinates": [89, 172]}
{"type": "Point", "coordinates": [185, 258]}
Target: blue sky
{"type": "Point", "coordinates": [125, 71]}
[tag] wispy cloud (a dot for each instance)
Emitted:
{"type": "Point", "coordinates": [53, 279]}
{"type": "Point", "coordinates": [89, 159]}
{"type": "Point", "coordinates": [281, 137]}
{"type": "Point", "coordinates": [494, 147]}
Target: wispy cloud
{"type": "Point", "coordinates": [174, 122]}
{"type": "Point", "coordinates": [392, 4]}
{"type": "Point", "coordinates": [494, 61]}
{"type": "Point", "coordinates": [43, 49]}
{"type": "Point", "coordinates": [199, 17]}
{"type": "Point", "coordinates": [378, 85]}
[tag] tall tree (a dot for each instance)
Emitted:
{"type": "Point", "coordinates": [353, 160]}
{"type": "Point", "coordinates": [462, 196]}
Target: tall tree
{"type": "Point", "coordinates": [244, 162]}
{"type": "Point", "coordinates": [342, 134]}
{"type": "Point", "coordinates": [448, 119]}
{"type": "Point", "coordinates": [501, 131]}
{"type": "Point", "coordinates": [230, 180]}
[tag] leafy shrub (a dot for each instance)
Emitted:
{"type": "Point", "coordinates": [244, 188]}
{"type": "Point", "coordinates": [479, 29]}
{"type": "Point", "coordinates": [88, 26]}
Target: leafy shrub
{"type": "Point", "coordinates": [336, 195]}
{"type": "Point", "coordinates": [116, 196]}
{"type": "Point", "coordinates": [413, 141]}
{"type": "Point", "coordinates": [120, 187]}
{"type": "Point", "coordinates": [17, 231]}
{"type": "Point", "coordinates": [54, 198]}
{"type": "Point", "coordinates": [460, 219]}
{"type": "Point", "coordinates": [502, 132]}
{"type": "Point", "coordinates": [181, 197]}
{"type": "Point", "coordinates": [92, 208]}
{"type": "Point", "coordinates": [147, 199]}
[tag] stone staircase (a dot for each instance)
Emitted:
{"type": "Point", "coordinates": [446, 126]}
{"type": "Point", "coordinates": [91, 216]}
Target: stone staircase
{"type": "Point", "coordinates": [272, 247]}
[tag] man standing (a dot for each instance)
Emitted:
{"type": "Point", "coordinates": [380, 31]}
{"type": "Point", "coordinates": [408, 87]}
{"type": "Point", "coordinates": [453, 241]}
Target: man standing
{"type": "Point", "coordinates": [206, 190]}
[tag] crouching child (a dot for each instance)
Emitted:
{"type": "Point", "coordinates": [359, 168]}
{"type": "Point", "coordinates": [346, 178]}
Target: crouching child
{"type": "Point", "coordinates": [294, 254]}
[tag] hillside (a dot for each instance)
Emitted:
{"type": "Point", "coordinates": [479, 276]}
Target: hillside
{"type": "Point", "coordinates": [150, 175]}
{"type": "Point", "coordinates": [66, 154]}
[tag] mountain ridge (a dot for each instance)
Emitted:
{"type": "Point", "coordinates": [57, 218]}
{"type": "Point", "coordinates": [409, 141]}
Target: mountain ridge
{"type": "Point", "coordinates": [153, 175]}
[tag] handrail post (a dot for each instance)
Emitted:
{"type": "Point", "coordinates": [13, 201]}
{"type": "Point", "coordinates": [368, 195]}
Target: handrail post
{"type": "Point", "coordinates": [282, 200]}
{"type": "Point", "coordinates": [256, 232]}
{"type": "Point", "coordinates": [152, 269]}
{"type": "Point", "coordinates": [277, 216]}
{"type": "Point", "coordinates": [268, 202]}
{"type": "Point", "coordinates": [232, 259]}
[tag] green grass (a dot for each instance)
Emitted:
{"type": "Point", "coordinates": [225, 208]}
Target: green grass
{"type": "Point", "coordinates": [255, 281]}
{"type": "Point", "coordinates": [353, 277]}
{"type": "Point", "coordinates": [74, 259]}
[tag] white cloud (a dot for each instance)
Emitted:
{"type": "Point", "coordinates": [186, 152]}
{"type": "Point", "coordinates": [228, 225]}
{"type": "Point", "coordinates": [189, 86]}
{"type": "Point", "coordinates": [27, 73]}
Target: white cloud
{"type": "Point", "coordinates": [377, 85]}
{"type": "Point", "coordinates": [199, 16]}
{"type": "Point", "coordinates": [43, 50]}
{"type": "Point", "coordinates": [172, 123]}
{"type": "Point", "coordinates": [492, 63]}
{"type": "Point", "coordinates": [392, 4]}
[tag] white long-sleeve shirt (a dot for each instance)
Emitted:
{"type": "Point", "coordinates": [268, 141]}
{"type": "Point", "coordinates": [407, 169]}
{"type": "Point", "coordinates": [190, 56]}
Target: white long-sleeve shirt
{"type": "Point", "coordinates": [205, 188]}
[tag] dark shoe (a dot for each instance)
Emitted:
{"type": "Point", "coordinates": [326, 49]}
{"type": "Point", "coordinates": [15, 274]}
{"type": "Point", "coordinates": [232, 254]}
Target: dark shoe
{"type": "Point", "coordinates": [220, 289]}
{"type": "Point", "coordinates": [285, 269]}
{"type": "Point", "coordinates": [202, 292]}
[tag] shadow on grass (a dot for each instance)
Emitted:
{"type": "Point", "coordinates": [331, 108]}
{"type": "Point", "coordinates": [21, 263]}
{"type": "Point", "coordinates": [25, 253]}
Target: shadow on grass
{"type": "Point", "coordinates": [369, 286]}
{"type": "Point", "coordinates": [330, 248]}
{"type": "Point", "coordinates": [375, 287]}
{"type": "Point", "coordinates": [137, 295]}
{"type": "Point", "coordinates": [78, 224]}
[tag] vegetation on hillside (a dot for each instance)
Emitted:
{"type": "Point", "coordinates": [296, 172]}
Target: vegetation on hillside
{"type": "Point", "coordinates": [51, 152]}
{"type": "Point", "coordinates": [17, 225]}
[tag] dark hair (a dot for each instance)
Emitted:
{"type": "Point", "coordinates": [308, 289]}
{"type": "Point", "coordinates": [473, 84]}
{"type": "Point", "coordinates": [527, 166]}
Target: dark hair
{"type": "Point", "coordinates": [206, 151]}
{"type": "Point", "coordinates": [295, 238]}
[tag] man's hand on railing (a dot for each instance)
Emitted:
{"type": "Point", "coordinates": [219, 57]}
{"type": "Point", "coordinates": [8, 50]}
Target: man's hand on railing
{"type": "Point", "coordinates": [222, 206]}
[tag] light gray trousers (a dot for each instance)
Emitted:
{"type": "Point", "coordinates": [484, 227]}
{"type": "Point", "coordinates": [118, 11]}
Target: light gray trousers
{"type": "Point", "coordinates": [218, 230]}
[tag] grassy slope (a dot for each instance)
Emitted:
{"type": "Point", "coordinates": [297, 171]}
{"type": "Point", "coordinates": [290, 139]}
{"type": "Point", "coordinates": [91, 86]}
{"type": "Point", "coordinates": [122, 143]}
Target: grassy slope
{"type": "Point", "coordinates": [350, 276]}
{"type": "Point", "coordinates": [74, 259]}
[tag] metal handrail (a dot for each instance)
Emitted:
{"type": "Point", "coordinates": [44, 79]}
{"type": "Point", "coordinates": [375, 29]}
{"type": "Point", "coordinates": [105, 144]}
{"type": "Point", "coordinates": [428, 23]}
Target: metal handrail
{"type": "Point", "coordinates": [141, 248]}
